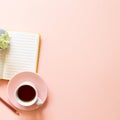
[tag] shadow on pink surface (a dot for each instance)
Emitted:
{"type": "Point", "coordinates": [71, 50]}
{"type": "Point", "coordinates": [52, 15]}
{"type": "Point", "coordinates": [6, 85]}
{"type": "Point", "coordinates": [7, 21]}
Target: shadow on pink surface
{"type": "Point", "coordinates": [37, 114]}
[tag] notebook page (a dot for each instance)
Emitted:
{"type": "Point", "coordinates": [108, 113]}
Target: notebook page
{"type": "Point", "coordinates": [22, 54]}
{"type": "Point", "coordinates": [2, 58]}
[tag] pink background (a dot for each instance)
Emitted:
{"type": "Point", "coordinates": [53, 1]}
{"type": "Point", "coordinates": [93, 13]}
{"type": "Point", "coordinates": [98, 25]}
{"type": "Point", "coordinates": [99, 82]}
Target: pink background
{"type": "Point", "coordinates": [80, 56]}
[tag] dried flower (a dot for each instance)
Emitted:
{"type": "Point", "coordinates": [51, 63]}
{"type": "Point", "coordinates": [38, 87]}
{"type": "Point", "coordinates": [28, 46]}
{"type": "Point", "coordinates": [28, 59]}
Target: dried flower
{"type": "Point", "coordinates": [4, 39]}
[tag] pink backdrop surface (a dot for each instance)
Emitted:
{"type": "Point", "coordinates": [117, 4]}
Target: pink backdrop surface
{"type": "Point", "coordinates": [79, 58]}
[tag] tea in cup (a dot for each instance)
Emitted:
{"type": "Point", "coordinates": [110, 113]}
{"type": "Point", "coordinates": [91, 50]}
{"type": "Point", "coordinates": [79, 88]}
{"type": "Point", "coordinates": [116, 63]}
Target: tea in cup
{"type": "Point", "coordinates": [27, 94]}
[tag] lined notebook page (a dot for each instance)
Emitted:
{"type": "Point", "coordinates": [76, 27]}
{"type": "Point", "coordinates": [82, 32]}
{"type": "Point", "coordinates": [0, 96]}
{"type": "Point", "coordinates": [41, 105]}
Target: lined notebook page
{"type": "Point", "coordinates": [22, 54]}
{"type": "Point", "coordinates": [2, 58]}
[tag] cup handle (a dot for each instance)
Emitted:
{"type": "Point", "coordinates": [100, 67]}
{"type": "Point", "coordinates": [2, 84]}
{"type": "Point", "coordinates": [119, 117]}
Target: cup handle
{"type": "Point", "coordinates": [39, 101]}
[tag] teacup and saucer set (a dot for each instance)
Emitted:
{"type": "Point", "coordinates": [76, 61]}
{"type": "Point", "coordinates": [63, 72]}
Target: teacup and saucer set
{"type": "Point", "coordinates": [27, 91]}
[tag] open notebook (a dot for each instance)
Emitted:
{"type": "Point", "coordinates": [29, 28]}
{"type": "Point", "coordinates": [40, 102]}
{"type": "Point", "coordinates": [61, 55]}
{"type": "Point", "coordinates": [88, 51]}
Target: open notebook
{"type": "Point", "coordinates": [22, 55]}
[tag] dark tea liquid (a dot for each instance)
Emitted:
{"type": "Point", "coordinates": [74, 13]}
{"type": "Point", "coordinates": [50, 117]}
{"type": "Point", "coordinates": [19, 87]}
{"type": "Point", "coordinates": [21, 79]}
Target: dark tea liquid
{"type": "Point", "coordinates": [26, 93]}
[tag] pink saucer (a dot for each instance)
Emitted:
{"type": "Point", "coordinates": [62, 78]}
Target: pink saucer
{"type": "Point", "coordinates": [26, 77]}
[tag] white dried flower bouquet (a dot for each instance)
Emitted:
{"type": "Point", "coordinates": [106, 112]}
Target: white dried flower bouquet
{"type": "Point", "coordinates": [4, 39]}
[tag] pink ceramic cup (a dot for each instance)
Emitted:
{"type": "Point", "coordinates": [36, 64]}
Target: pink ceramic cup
{"type": "Point", "coordinates": [32, 80]}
